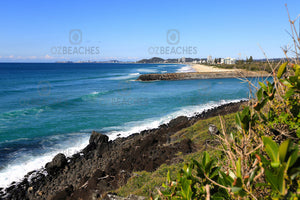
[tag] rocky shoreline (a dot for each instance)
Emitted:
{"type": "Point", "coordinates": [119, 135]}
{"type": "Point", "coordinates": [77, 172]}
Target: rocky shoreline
{"type": "Point", "coordinates": [203, 75]}
{"type": "Point", "coordinates": [105, 165]}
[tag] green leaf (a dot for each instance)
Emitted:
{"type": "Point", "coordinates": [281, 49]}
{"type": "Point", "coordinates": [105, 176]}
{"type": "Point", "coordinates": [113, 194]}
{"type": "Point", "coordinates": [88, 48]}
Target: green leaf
{"type": "Point", "coordinates": [243, 193]}
{"type": "Point", "coordinates": [275, 164]}
{"type": "Point", "coordinates": [236, 189]}
{"type": "Point", "coordinates": [164, 185]}
{"type": "Point", "coordinates": [272, 179]}
{"type": "Point", "coordinates": [263, 103]}
{"type": "Point", "coordinates": [168, 177]}
{"type": "Point", "coordinates": [281, 181]}
{"type": "Point", "coordinates": [239, 182]}
{"type": "Point", "coordinates": [214, 172]}
{"type": "Point", "coordinates": [283, 149]}
{"type": "Point", "coordinates": [238, 168]}
{"type": "Point", "coordinates": [271, 148]}
{"type": "Point", "coordinates": [263, 86]}
{"type": "Point", "coordinates": [286, 83]}
{"type": "Point", "coordinates": [205, 159]}
{"type": "Point", "coordinates": [270, 87]}
{"type": "Point", "coordinates": [259, 94]}
{"type": "Point", "coordinates": [188, 171]}
{"type": "Point", "coordinates": [227, 179]}
{"type": "Point", "coordinates": [208, 166]}
{"type": "Point", "coordinates": [238, 120]}
{"type": "Point", "coordinates": [297, 70]}
{"type": "Point", "coordinates": [289, 93]}
{"type": "Point", "coordinates": [245, 118]}
{"type": "Point", "coordinates": [293, 158]}
{"type": "Point", "coordinates": [281, 70]}
{"type": "Point", "coordinates": [245, 111]}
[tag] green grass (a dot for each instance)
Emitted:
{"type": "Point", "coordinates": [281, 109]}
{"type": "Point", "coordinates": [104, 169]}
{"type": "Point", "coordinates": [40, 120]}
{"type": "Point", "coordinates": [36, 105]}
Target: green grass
{"type": "Point", "coordinates": [253, 66]}
{"type": "Point", "coordinates": [143, 183]}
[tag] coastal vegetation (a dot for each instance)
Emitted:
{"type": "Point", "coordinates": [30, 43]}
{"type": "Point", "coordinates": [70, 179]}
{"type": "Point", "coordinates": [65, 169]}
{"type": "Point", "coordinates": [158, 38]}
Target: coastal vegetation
{"type": "Point", "coordinates": [251, 66]}
{"type": "Point", "coordinates": [144, 183]}
{"type": "Point", "coordinates": [254, 155]}
{"type": "Point", "coordinates": [260, 159]}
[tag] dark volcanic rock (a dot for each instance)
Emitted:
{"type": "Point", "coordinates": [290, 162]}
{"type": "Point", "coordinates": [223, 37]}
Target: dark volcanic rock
{"type": "Point", "coordinates": [97, 142]}
{"type": "Point", "coordinates": [106, 165]}
{"type": "Point", "coordinates": [179, 121]}
{"type": "Point", "coordinates": [98, 138]}
{"type": "Point", "coordinates": [58, 162]}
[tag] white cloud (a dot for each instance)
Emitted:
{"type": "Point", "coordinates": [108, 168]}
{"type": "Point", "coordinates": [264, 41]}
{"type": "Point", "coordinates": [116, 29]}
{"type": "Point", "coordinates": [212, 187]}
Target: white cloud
{"type": "Point", "coordinates": [48, 57]}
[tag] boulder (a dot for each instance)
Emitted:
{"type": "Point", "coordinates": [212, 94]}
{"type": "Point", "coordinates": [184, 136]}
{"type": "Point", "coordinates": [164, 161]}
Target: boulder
{"type": "Point", "coordinates": [213, 130]}
{"type": "Point", "coordinates": [181, 120]}
{"type": "Point", "coordinates": [58, 162]}
{"type": "Point", "coordinates": [98, 138]}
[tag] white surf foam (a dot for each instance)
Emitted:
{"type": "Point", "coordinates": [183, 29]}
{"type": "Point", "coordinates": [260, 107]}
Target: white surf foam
{"type": "Point", "coordinates": [186, 68]}
{"type": "Point", "coordinates": [25, 163]}
{"type": "Point", "coordinates": [134, 74]}
{"type": "Point", "coordinates": [95, 93]}
{"type": "Point", "coordinates": [129, 76]}
{"type": "Point", "coordinates": [138, 126]}
{"type": "Point", "coordinates": [16, 170]}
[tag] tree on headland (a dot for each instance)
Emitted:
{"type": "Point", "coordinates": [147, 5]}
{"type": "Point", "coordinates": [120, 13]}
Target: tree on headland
{"type": "Point", "coordinates": [250, 59]}
{"type": "Point", "coordinates": [240, 62]}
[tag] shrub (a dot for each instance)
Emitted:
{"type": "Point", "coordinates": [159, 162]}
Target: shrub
{"type": "Point", "coordinates": [262, 159]}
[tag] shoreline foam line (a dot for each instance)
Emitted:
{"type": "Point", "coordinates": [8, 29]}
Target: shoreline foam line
{"type": "Point", "coordinates": [137, 126]}
{"type": "Point", "coordinates": [18, 169]}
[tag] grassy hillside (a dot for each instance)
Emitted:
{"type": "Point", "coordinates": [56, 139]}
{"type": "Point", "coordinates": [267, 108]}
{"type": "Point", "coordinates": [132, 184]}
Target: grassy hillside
{"type": "Point", "coordinates": [142, 183]}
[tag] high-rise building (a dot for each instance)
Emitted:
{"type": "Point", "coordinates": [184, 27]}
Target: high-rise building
{"type": "Point", "coordinates": [229, 61]}
{"type": "Point", "coordinates": [209, 59]}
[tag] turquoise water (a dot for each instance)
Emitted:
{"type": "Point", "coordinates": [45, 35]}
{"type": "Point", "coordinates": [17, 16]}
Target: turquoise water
{"type": "Point", "coordinates": [51, 108]}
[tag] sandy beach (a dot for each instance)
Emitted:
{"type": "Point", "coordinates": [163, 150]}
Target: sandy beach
{"type": "Point", "coordinates": [204, 68]}
{"type": "Point", "coordinates": [203, 72]}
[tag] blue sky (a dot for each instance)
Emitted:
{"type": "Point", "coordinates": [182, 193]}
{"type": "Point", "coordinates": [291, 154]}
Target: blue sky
{"type": "Point", "coordinates": [33, 31]}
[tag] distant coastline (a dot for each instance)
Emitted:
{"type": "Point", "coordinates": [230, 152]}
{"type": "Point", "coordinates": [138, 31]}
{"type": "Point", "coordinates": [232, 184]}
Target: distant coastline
{"type": "Point", "coordinates": [204, 72]}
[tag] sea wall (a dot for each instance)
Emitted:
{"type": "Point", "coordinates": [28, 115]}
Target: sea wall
{"type": "Point", "coordinates": [202, 75]}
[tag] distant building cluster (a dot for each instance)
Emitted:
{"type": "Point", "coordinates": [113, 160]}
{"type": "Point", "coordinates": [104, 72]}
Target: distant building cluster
{"type": "Point", "coordinates": [208, 60]}
{"type": "Point", "coordinates": [228, 61]}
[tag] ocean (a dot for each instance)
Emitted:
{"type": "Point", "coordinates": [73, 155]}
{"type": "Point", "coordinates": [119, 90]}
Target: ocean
{"type": "Point", "coordinates": [52, 108]}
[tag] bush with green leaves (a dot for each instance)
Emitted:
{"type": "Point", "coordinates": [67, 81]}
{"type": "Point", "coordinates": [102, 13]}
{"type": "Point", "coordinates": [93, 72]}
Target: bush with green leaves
{"type": "Point", "coordinates": [271, 172]}
{"type": "Point", "coordinates": [261, 160]}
